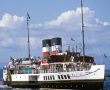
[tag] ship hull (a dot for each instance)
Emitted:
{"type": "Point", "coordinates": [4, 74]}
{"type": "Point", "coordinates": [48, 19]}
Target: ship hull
{"type": "Point", "coordinates": [22, 84]}
{"type": "Point", "coordinates": [84, 84]}
{"type": "Point", "coordinates": [93, 78]}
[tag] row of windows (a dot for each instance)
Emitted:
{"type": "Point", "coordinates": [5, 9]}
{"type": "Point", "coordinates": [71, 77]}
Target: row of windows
{"type": "Point", "coordinates": [49, 77]}
{"type": "Point", "coordinates": [63, 77]}
{"type": "Point", "coordinates": [20, 77]}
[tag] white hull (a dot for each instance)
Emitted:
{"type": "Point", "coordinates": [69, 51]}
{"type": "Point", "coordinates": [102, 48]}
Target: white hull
{"type": "Point", "coordinates": [94, 75]}
{"type": "Point", "coordinates": [96, 72]}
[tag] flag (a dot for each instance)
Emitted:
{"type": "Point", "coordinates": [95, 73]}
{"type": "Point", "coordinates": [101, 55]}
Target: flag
{"type": "Point", "coordinates": [39, 59]}
{"type": "Point", "coordinates": [11, 58]}
{"type": "Point", "coordinates": [28, 17]}
{"type": "Point", "coordinates": [105, 56]}
{"type": "Point", "coordinates": [72, 39]}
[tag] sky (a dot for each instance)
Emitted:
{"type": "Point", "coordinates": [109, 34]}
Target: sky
{"type": "Point", "coordinates": [54, 18]}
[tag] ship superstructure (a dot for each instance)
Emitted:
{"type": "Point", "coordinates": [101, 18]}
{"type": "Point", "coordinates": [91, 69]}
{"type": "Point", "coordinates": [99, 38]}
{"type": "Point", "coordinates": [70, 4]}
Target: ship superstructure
{"type": "Point", "coordinates": [56, 69]}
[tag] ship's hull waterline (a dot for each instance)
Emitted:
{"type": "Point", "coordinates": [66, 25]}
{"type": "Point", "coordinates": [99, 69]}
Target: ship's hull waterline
{"type": "Point", "coordinates": [78, 84]}
{"type": "Point", "coordinates": [22, 84]}
{"type": "Point", "coordinates": [84, 84]}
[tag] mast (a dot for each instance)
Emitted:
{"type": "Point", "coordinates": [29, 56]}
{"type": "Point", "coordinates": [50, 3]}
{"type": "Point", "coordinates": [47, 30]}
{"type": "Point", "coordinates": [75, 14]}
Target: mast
{"type": "Point", "coordinates": [28, 20]}
{"type": "Point", "coordinates": [83, 41]}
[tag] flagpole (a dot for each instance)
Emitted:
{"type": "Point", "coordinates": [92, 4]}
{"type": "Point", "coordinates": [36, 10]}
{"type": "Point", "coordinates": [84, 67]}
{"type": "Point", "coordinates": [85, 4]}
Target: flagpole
{"type": "Point", "coordinates": [83, 31]}
{"type": "Point", "coordinates": [28, 20]}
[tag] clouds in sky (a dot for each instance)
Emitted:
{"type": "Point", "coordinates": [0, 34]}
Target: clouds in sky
{"type": "Point", "coordinates": [66, 25]}
{"type": "Point", "coordinates": [69, 19]}
{"type": "Point", "coordinates": [11, 21]}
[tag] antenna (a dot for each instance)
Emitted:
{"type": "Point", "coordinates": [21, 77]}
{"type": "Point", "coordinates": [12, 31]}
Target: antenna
{"type": "Point", "coordinates": [73, 44]}
{"type": "Point", "coordinates": [28, 20]}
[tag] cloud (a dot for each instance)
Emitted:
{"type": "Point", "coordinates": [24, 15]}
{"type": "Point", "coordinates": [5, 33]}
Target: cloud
{"type": "Point", "coordinates": [63, 26]}
{"type": "Point", "coordinates": [33, 42]}
{"type": "Point", "coordinates": [71, 20]}
{"type": "Point", "coordinates": [66, 25]}
{"type": "Point", "coordinates": [102, 23]}
{"type": "Point", "coordinates": [6, 42]}
{"type": "Point", "coordinates": [11, 21]}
